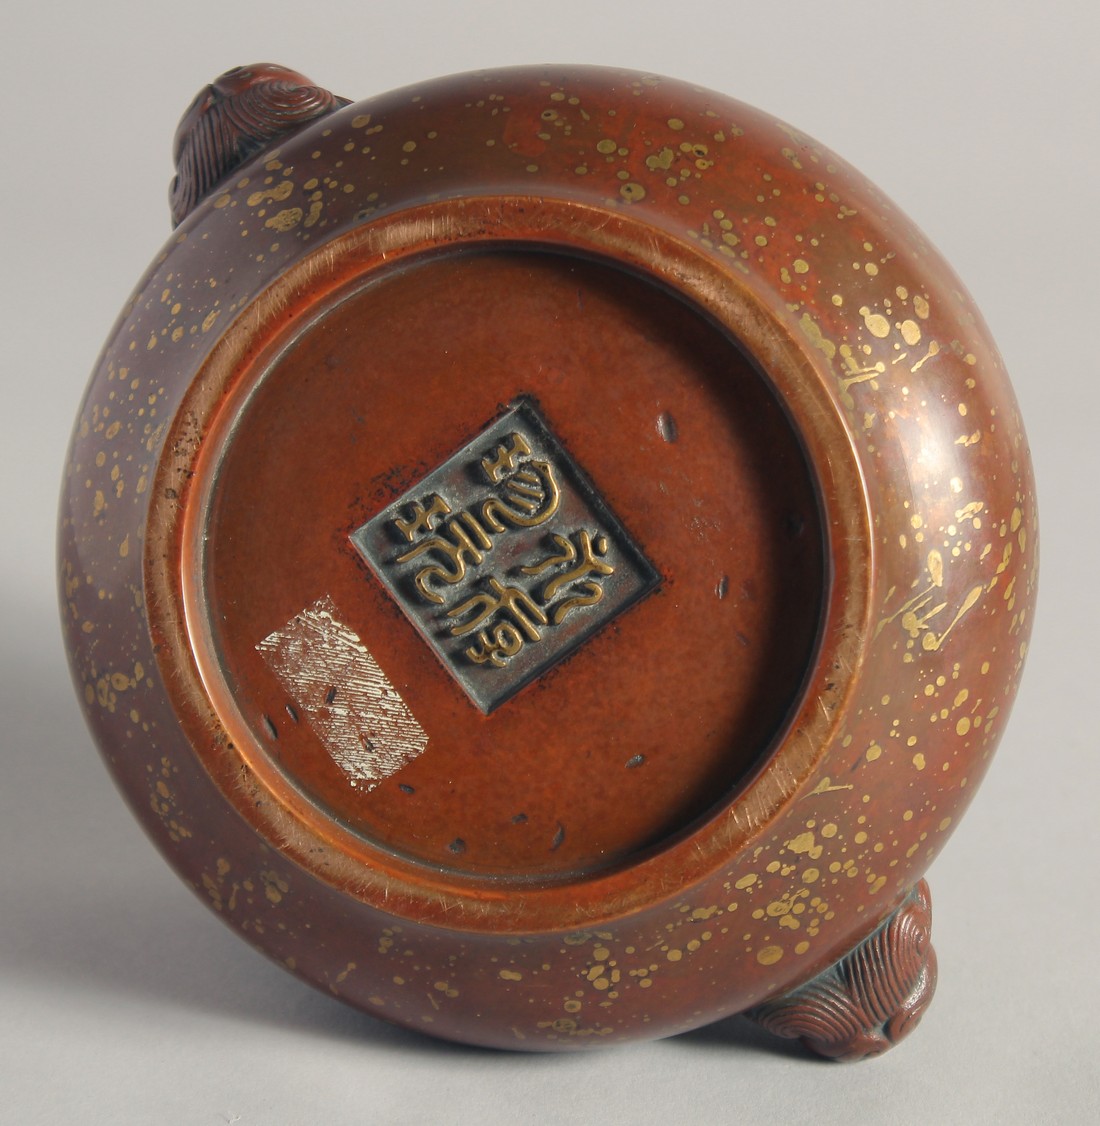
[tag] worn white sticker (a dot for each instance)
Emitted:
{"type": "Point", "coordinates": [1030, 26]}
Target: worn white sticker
{"type": "Point", "coordinates": [344, 695]}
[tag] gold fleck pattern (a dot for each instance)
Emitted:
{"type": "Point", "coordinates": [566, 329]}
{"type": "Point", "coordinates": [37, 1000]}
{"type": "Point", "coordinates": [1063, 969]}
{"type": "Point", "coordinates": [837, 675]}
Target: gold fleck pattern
{"type": "Point", "coordinates": [899, 346]}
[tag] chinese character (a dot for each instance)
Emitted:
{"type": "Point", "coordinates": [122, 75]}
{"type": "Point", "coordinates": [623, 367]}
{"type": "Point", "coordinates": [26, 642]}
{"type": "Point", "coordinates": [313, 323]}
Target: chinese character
{"type": "Point", "coordinates": [505, 459]}
{"type": "Point", "coordinates": [581, 551]}
{"type": "Point", "coordinates": [454, 554]}
{"type": "Point", "coordinates": [421, 518]}
{"type": "Point", "coordinates": [525, 616]}
{"type": "Point", "coordinates": [495, 648]}
{"type": "Point", "coordinates": [532, 496]}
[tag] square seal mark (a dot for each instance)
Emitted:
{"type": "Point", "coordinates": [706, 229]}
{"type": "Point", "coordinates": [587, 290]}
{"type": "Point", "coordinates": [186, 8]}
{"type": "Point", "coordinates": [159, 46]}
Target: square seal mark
{"type": "Point", "coordinates": [505, 558]}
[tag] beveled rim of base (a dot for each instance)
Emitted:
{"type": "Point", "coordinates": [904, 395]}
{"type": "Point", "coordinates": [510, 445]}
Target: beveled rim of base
{"type": "Point", "coordinates": [244, 773]}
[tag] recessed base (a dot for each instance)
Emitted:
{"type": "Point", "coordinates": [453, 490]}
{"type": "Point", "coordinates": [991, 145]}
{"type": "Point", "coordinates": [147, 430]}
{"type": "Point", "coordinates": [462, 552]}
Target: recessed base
{"type": "Point", "coordinates": [627, 738]}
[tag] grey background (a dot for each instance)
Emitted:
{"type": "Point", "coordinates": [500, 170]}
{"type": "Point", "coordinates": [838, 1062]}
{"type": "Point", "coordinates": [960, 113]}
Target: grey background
{"type": "Point", "coordinates": [121, 999]}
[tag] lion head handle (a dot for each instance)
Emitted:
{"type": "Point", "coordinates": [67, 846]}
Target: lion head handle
{"type": "Point", "coordinates": [235, 117]}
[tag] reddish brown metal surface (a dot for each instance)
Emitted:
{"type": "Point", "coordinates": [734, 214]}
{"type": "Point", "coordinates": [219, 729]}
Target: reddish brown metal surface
{"type": "Point", "coordinates": [385, 386]}
{"type": "Point", "coordinates": [771, 379]}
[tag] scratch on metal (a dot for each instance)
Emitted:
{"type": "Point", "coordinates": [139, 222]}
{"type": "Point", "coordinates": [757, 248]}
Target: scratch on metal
{"type": "Point", "coordinates": [364, 724]}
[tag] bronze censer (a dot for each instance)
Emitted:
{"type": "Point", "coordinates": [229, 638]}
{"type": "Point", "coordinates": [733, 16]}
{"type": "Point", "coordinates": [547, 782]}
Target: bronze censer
{"type": "Point", "coordinates": [548, 554]}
